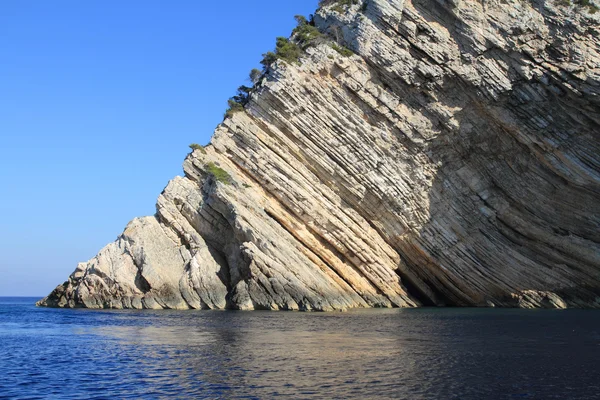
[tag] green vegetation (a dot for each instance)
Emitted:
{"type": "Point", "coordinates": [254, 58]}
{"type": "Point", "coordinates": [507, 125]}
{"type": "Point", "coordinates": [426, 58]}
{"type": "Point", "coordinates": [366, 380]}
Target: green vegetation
{"type": "Point", "coordinates": [255, 75]}
{"type": "Point", "coordinates": [233, 108]}
{"type": "Point", "coordinates": [287, 50]}
{"type": "Point", "coordinates": [301, 19]}
{"type": "Point", "coordinates": [268, 58]}
{"type": "Point", "coordinates": [592, 8]}
{"type": "Point", "coordinates": [218, 173]}
{"type": "Point", "coordinates": [284, 50]}
{"type": "Point", "coordinates": [305, 32]}
{"type": "Point", "coordinates": [246, 185]}
{"type": "Point", "coordinates": [290, 50]}
{"type": "Point", "coordinates": [243, 95]}
{"type": "Point", "coordinates": [237, 102]}
{"type": "Point", "coordinates": [346, 52]}
{"type": "Point", "coordinates": [342, 5]}
{"type": "Point", "coordinates": [196, 146]}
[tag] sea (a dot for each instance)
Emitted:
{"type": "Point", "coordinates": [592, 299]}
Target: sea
{"type": "Point", "coordinates": [427, 353]}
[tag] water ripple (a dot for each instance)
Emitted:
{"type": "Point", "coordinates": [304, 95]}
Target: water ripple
{"type": "Point", "coordinates": [410, 354]}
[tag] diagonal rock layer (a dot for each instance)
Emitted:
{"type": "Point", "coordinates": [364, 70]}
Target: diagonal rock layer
{"type": "Point", "coordinates": [452, 157]}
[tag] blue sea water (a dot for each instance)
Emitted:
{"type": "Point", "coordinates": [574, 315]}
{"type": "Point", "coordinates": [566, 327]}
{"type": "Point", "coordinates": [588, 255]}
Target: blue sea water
{"type": "Point", "coordinates": [408, 354]}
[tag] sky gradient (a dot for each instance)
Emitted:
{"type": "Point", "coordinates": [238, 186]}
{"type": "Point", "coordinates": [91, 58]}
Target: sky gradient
{"type": "Point", "coordinates": [100, 100]}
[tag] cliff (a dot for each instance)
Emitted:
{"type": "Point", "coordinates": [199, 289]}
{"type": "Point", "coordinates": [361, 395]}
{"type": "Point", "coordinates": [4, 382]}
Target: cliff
{"type": "Point", "coordinates": [452, 157]}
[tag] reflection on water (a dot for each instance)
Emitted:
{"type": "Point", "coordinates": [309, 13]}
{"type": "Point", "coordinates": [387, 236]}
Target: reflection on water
{"type": "Point", "coordinates": [412, 354]}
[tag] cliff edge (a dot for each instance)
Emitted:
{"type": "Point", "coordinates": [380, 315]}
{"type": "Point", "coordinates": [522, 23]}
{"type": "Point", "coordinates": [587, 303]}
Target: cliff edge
{"type": "Point", "coordinates": [419, 153]}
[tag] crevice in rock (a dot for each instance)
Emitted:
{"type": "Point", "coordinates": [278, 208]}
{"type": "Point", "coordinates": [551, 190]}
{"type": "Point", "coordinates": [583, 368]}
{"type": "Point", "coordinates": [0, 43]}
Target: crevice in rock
{"type": "Point", "coordinates": [224, 274]}
{"type": "Point", "coordinates": [141, 283]}
{"type": "Point", "coordinates": [415, 291]}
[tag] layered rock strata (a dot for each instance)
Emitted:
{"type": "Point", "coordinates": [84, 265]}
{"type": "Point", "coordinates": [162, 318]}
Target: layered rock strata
{"type": "Point", "coordinates": [453, 160]}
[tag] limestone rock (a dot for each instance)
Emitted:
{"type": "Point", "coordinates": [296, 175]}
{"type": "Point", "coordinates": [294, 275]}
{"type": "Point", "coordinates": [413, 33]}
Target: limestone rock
{"type": "Point", "coordinates": [539, 299]}
{"type": "Point", "coordinates": [452, 160]}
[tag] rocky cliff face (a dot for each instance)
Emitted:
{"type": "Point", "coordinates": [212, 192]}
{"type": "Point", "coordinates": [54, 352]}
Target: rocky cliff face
{"type": "Point", "coordinates": [454, 159]}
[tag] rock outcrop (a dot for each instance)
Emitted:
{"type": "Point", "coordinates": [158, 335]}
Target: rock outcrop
{"type": "Point", "coordinates": [453, 159]}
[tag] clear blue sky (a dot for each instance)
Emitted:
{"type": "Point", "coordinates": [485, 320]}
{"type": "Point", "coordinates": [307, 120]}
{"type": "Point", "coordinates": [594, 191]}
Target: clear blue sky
{"type": "Point", "coordinates": [99, 100]}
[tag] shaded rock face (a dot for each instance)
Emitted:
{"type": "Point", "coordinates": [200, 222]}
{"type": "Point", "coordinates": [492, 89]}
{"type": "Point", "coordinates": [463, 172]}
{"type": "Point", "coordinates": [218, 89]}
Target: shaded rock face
{"type": "Point", "coordinates": [453, 160]}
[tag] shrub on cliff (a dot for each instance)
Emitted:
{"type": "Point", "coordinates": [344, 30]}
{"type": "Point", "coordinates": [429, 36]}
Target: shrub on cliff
{"type": "Point", "coordinates": [255, 75]}
{"type": "Point", "coordinates": [287, 50]}
{"type": "Point", "coordinates": [290, 50]}
{"type": "Point", "coordinates": [196, 146]}
{"type": "Point", "coordinates": [592, 8]}
{"type": "Point", "coordinates": [236, 103]}
{"type": "Point", "coordinates": [339, 6]}
{"type": "Point", "coordinates": [268, 58]}
{"type": "Point", "coordinates": [243, 95]}
{"type": "Point", "coordinates": [233, 107]}
{"type": "Point", "coordinates": [218, 173]}
{"type": "Point", "coordinates": [284, 50]}
{"type": "Point", "coordinates": [305, 33]}
{"type": "Point", "coordinates": [346, 52]}
{"type": "Point", "coordinates": [301, 19]}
